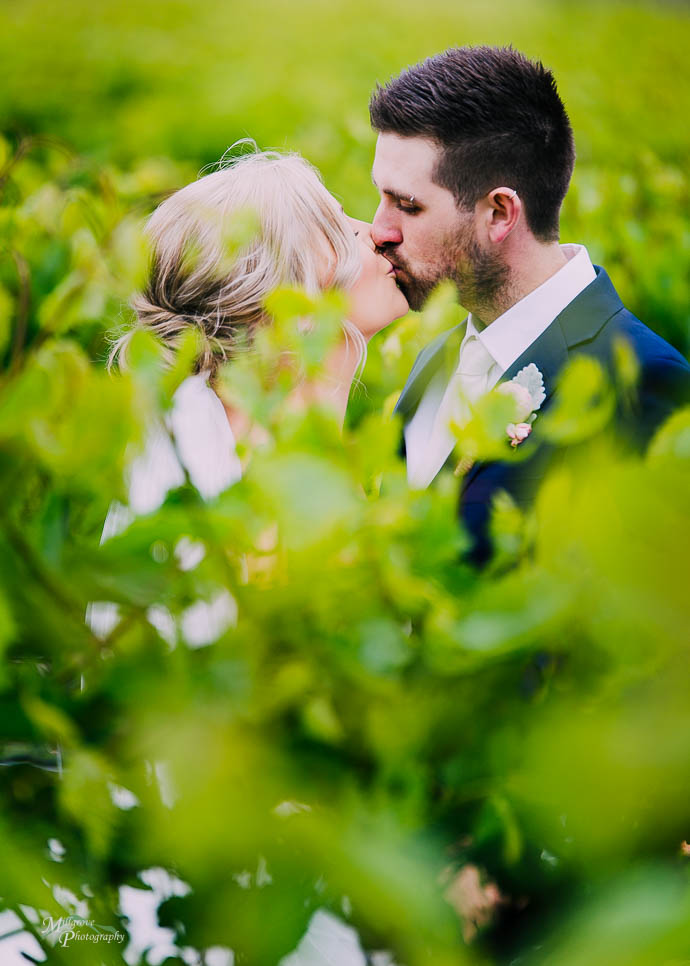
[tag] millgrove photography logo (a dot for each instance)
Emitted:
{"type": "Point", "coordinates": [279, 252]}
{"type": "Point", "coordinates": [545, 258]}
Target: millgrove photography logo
{"type": "Point", "coordinates": [73, 929]}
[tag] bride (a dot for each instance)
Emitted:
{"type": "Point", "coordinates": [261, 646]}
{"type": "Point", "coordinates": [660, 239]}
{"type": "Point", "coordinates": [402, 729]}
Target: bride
{"type": "Point", "coordinates": [303, 238]}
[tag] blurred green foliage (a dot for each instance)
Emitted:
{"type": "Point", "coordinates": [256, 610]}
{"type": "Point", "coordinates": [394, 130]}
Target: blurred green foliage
{"type": "Point", "coordinates": [373, 717]}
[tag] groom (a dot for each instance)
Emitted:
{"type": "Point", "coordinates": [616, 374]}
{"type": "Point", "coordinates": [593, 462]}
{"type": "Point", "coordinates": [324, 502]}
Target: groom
{"type": "Point", "coordinates": [473, 160]}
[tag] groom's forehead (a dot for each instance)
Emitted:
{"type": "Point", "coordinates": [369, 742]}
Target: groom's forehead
{"type": "Point", "coordinates": [404, 166]}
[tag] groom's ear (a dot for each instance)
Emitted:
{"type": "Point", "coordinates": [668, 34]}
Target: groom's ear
{"type": "Point", "coordinates": [500, 210]}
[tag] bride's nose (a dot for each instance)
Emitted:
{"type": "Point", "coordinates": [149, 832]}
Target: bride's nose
{"type": "Point", "coordinates": [363, 230]}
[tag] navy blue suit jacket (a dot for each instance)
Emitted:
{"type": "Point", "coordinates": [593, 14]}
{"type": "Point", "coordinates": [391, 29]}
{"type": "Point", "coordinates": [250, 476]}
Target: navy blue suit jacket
{"type": "Point", "coordinates": [589, 324]}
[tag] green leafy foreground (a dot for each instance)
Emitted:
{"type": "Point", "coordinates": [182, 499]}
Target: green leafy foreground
{"type": "Point", "coordinates": [375, 722]}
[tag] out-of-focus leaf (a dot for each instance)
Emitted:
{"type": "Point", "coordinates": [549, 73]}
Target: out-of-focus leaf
{"type": "Point", "coordinates": [508, 529]}
{"type": "Point", "coordinates": [626, 368]}
{"type": "Point", "coordinates": [321, 721]}
{"type": "Point", "coordinates": [485, 436]}
{"type": "Point", "coordinates": [309, 497]}
{"type": "Point", "coordinates": [523, 606]}
{"type": "Point", "coordinates": [383, 646]}
{"type": "Point", "coordinates": [598, 773]}
{"type": "Point", "coordinates": [51, 721]}
{"type": "Point", "coordinates": [585, 403]}
{"type": "Point", "coordinates": [129, 254]}
{"type": "Point", "coordinates": [186, 354]}
{"type": "Point", "coordinates": [287, 303]}
{"type": "Point", "coordinates": [76, 420]}
{"type": "Point", "coordinates": [638, 920]}
{"type": "Point", "coordinates": [672, 440]}
{"type": "Point", "coordinates": [237, 233]}
{"type": "Point", "coordinates": [85, 782]}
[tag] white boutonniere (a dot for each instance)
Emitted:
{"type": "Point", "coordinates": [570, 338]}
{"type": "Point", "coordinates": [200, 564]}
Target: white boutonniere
{"type": "Point", "coordinates": [527, 389]}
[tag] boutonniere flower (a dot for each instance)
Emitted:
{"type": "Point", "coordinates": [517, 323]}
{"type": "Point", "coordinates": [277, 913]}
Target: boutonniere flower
{"type": "Point", "coordinates": [527, 390]}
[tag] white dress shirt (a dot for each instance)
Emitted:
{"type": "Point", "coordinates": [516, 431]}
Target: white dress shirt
{"type": "Point", "coordinates": [505, 339]}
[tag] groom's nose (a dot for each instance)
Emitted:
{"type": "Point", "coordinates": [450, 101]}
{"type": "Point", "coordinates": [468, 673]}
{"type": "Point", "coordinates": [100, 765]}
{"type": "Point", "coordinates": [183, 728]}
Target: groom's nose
{"type": "Point", "coordinates": [384, 230]}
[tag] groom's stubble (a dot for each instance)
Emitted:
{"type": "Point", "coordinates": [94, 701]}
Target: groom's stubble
{"type": "Point", "coordinates": [481, 277]}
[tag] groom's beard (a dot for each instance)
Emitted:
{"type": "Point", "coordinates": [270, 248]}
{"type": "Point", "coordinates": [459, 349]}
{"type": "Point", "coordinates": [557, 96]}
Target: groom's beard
{"type": "Point", "coordinates": [483, 282]}
{"type": "Point", "coordinates": [481, 277]}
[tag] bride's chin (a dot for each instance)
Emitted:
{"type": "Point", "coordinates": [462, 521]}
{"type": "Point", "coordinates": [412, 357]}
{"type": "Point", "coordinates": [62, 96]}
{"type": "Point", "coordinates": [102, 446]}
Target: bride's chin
{"type": "Point", "coordinates": [401, 309]}
{"type": "Point", "coordinates": [404, 307]}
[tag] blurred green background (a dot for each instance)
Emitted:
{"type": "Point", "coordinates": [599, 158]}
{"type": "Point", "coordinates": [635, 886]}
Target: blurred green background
{"type": "Point", "coordinates": [416, 719]}
{"type": "Point", "coordinates": [126, 80]}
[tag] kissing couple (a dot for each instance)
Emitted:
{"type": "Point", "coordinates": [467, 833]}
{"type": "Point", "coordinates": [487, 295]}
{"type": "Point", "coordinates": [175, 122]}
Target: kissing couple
{"type": "Point", "coordinates": [474, 157]}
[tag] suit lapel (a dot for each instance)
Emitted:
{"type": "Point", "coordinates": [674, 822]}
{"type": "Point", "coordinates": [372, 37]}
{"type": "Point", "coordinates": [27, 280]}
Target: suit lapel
{"type": "Point", "coordinates": [587, 314]}
{"type": "Point", "coordinates": [579, 322]}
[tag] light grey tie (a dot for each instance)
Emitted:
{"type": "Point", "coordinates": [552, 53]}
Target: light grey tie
{"type": "Point", "coordinates": [467, 384]}
{"type": "Point", "coordinates": [473, 369]}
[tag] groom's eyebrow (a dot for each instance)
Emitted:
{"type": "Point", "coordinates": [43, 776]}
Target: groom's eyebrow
{"type": "Point", "coordinates": [395, 195]}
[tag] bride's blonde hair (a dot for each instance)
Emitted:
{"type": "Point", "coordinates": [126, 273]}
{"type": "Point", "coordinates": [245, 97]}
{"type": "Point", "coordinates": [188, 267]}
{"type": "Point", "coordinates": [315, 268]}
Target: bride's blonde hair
{"type": "Point", "coordinates": [302, 237]}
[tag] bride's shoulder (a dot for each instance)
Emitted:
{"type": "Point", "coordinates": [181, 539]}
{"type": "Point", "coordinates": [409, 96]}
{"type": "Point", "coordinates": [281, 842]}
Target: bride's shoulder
{"type": "Point", "coordinates": [203, 436]}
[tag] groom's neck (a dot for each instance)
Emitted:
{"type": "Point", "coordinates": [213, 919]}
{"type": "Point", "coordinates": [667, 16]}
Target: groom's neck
{"type": "Point", "coordinates": [530, 265]}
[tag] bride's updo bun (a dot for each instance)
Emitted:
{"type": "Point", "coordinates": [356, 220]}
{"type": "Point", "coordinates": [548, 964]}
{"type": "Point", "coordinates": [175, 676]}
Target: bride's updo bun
{"type": "Point", "coordinates": [299, 236]}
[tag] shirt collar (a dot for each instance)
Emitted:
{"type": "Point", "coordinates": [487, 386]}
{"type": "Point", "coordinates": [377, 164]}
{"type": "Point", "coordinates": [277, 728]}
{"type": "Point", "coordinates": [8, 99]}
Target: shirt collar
{"type": "Point", "coordinates": [508, 336]}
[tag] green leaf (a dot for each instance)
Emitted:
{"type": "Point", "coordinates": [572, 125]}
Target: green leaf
{"type": "Point", "coordinates": [310, 497]}
{"type": "Point", "coordinates": [672, 440]}
{"type": "Point", "coordinates": [517, 609]}
{"type": "Point", "coordinates": [288, 302]}
{"type": "Point", "coordinates": [238, 232]}
{"type": "Point", "coordinates": [85, 798]}
{"type": "Point", "coordinates": [321, 721]}
{"type": "Point", "coordinates": [130, 254]}
{"type": "Point", "coordinates": [52, 721]}
{"type": "Point", "coordinates": [584, 403]}
{"type": "Point", "coordinates": [383, 647]}
{"type": "Point", "coordinates": [186, 354]}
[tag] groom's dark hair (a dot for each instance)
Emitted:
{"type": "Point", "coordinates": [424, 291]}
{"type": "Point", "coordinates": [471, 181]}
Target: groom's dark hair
{"type": "Point", "coordinates": [498, 120]}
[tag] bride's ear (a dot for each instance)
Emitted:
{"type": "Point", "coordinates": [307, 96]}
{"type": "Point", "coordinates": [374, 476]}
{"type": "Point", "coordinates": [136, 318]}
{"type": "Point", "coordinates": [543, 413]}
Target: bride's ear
{"type": "Point", "coordinates": [503, 211]}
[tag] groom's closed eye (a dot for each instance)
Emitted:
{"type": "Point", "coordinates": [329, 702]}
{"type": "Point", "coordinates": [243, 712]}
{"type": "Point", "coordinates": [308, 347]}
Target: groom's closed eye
{"type": "Point", "coordinates": [409, 207]}
{"type": "Point", "coordinates": [404, 203]}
